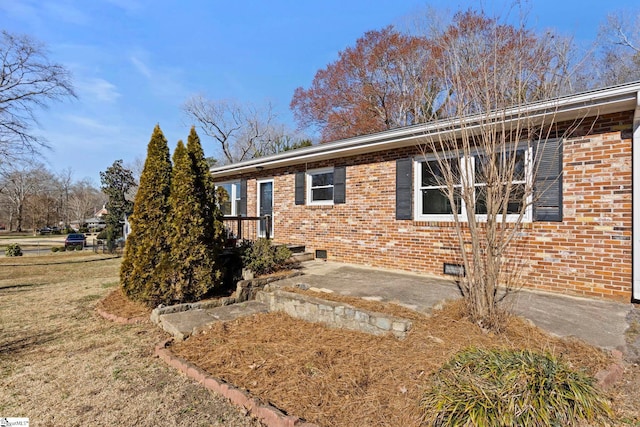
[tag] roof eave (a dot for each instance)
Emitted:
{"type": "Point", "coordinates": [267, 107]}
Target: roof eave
{"type": "Point", "coordinates": [588, 104]}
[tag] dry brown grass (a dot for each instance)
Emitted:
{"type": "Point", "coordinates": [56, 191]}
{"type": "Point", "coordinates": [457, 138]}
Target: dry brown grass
{"type": "Point", "coordinates": [344, 378]}
{"type": "Point", "coordinates": [61, 364]}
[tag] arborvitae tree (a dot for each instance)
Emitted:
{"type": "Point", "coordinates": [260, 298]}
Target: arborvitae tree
{"type": "Point", "coordinates": [148, 242]}
{"type": "Point", "coordinates": [205, 190]}
{"type": "Point", "coordinates": [196, 238]}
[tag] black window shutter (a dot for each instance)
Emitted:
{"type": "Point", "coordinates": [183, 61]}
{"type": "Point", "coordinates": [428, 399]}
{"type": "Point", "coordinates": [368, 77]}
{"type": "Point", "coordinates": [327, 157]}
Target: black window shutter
{"type": "Point", "coordinates": [339, 184]}
{"type": "Point", "coordinates": [243, 198]}
{"type": "Point", "coordinates": [404, 188]}
{"type": "Point", "coordinates": [547, 188]}
{"type": "Point", "coordinates": [300, 188]}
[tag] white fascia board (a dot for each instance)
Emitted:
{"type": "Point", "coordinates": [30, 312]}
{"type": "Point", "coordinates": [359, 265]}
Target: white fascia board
{"type": "Point", "coordinates": [592, 103]}
{"type": "Point", "coordinates": [635, 231]}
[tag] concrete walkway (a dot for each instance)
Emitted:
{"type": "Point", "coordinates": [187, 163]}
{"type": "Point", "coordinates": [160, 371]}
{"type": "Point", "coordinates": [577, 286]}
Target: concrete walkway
{"type": "Point", "coordinates": [601, 323]}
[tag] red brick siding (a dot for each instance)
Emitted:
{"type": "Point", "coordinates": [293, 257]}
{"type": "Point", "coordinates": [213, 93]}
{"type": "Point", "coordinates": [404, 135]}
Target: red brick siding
{"type": "Point", "coordinates": [589, 253]}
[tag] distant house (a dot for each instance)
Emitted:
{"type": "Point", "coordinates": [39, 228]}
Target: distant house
{"type": "Point", "coordinates": [366, 200]}
{"type": "Point", "coordinates": [101, 212]}
{"type": "Point", "coordinates": [95, 223]}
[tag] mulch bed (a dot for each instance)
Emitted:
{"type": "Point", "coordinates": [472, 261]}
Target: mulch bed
{"type": "Point", "coordinates": [117, 304]}
{"type": "Point", "coordinates": [339, 377]}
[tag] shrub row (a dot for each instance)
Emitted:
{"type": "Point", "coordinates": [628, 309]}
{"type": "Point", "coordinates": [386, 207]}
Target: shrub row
{"type": "Point", "coordinates": [63, 249]}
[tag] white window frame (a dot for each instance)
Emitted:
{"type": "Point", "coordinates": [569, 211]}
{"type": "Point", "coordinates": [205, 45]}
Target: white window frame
{"type": "Point", "coordinates": [234, 197]}
{"type": "Point", "coordinates": [308, 180]}
{"type": "Point", "coordinates": [469, 175]}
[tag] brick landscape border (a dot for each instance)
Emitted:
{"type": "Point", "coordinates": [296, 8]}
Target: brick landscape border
{"type": "Point", "coordinates": [122, 320]}
{"type": "Point", "coordinates": [268, 414]}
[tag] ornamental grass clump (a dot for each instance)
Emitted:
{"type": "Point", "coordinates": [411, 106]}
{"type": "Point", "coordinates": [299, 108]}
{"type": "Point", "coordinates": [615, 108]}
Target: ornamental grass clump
{"type": "Point", "coordinates": [502, 387]}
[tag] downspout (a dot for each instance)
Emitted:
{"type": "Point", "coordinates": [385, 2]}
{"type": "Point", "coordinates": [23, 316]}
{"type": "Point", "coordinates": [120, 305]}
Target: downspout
{"type": "Point", "coordinates": [635, 150]}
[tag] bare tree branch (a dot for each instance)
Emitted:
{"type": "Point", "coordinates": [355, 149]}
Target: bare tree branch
{"type": "Point", "coordinates": [242, 131]}
{"type": "Point", "coordinates": [28, 81]}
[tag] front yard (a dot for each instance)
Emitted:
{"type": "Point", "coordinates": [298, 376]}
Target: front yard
{"type": "Point", "coordinates": [60, 363]}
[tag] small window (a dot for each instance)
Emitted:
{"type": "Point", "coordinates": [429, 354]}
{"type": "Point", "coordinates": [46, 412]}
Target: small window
{"type": "Point", "coordinates": [320, 187]}
{"type": "Point", "coordinates": [228, 198]}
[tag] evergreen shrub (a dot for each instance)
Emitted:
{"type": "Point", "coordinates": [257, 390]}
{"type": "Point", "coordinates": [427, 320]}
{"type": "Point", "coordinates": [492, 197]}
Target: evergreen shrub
{"type": "Point", "coordinates": [13, 250]}
{"type": "Point", "coordinates": [263, 258]}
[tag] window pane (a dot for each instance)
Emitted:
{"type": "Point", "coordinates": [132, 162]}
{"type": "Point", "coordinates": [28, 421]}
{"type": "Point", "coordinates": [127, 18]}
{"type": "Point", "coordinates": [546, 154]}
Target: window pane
{"type": "Point", "coordinates": [481, 200]}
{"type": "Point", "coordinates": [433, 173]}
{"type": "Point", "coordinates": [504, 161]}
{"type": "Point", "coordinates": [516, 199]}
{"type": "Point", "coordinates": [321, 194]}
{"type": "Point", "coordinates": [479, 168]}
{"type": "Point", "coordinates": [321, 179]}
{"type": "Point", "coordinates": [225, 207]}
{"type": "Point", "coordinates": [434, 202]}
{"type": "Point", "coordinates": [223, 194]}
{"type": "Point", "coordinates": [518, 168]}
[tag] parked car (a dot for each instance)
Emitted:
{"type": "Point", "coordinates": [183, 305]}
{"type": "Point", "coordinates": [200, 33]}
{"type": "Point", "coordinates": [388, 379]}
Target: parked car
{"type": "Point", "coordinates": [74, 240]}
{"type": "Point", "coordinates": [49, 230]}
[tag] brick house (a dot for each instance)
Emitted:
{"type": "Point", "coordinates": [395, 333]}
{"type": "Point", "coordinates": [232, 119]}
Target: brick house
{"type": "Point", "coordinates": [364, 200]}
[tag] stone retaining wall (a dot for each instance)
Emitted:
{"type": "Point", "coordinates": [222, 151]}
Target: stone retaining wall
{"type": "Point", "coordinates": [334, 314]}
{"type": "Point", "coordinates": [245, 290]}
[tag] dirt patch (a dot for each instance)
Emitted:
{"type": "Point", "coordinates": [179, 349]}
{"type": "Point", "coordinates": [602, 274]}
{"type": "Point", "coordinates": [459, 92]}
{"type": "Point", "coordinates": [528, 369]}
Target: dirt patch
{"type": "Point", "coordinates": [338, 377]}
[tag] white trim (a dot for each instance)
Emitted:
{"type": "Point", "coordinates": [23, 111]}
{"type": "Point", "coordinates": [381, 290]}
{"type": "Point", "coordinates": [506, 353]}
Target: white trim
{"type": "Point", "coordinates": [308, 178]}
{"type": "Point", "coordinates": [635, 232]}
{"type": "Point", "coordinates": [273, 188]}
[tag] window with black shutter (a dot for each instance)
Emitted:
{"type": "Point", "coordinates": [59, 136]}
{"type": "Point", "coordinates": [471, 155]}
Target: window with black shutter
{"type": "Point", "coordinates": [404, 190]}
{"type": "Point", "coordinates": [243, 198]}
{"type": "Point", "coordinates": [300, 188]}
{"type": "Point", "coordinates": [326, 186]}
{"type": "Point", "coordinates": [547, 188]}
{"type": "Point", "coordinates": [339, 185]}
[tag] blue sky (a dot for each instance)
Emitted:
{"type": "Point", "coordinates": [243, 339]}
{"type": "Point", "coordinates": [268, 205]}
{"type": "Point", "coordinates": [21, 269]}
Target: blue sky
{"type": "Point", "coordinates": [135, 62]}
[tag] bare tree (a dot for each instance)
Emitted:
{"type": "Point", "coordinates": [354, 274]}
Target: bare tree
{"type": "Point", "coordinates": [483, 171]}
{"type": "Point", "coordinates": [242, 131]}
{"type": "Point", "coordinates": [619, 40]}
{"type": "Point", "coordinates": [19, 182]}
{"type": "Point", "coordinates": [28, 81]}
{"type": "Point", "coordinates": [64, 180]}
{"type": "Point", "coordinates": [84, 200]}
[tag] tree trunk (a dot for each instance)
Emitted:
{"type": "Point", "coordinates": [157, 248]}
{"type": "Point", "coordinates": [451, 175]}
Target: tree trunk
{"type": "Point", "coordinates": [19, 217]}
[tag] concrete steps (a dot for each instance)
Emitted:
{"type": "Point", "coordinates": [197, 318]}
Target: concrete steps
{"type": "Point", "coordinates": [186, 323]}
